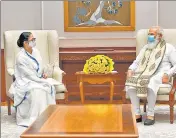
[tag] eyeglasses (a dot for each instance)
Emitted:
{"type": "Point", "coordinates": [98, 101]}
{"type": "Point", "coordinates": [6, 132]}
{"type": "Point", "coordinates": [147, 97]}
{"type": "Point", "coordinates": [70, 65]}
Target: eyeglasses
{"type": "Point", "coordinates": [33, 39]}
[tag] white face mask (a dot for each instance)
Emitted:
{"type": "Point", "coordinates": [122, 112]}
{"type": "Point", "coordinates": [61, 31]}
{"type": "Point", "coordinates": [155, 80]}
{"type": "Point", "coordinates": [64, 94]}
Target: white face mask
{"type": "Point", "coordinates": [32, 44]}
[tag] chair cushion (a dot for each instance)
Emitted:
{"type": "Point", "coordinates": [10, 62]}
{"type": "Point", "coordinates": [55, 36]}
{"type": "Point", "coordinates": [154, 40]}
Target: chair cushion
{"type": "Point", "coordinates": [163, 92]}
{"type": "Point", "coordinates": [60, 88]}
{"type": "Point", "coordinates": [163, 97]}
{"type": "Point", "coordinates": [164, 89]}
{"type": "Point", "coordinates": [60, 95]}
{"type": "Point", "coordinates": [159, 97]}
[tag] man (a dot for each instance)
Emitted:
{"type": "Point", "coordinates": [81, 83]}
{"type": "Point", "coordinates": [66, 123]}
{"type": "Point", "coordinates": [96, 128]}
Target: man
{"type": "Point", "coordinates": [154, 65]}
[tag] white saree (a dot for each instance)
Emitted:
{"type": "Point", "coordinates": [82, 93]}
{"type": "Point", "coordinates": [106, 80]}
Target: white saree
{"type": "Point", "coordinates": [31, 93]}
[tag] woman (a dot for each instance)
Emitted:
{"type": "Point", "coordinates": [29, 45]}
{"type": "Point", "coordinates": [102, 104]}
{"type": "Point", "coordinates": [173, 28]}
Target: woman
{"type": "Point", "coordinates": [31, 91]}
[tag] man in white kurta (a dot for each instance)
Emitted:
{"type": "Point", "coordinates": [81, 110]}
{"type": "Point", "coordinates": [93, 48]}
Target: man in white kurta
{"type": "Point", "coordinates": [31, 91]}
{"type": "Point", "coordinates": [164, 71]}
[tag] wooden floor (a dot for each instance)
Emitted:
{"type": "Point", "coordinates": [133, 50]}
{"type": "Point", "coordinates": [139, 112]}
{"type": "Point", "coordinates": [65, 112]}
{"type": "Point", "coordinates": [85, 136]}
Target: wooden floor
{"type": "Point", "coordinates": [93, 101]}
{"type": "Point", "coordinates": [79, 102]}
{"type": "Point", "coordinates": [103, 99]}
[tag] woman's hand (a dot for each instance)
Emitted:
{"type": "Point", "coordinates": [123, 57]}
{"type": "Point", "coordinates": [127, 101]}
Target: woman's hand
{"type": "Point", "coordinates": [45, 76]}
{"type": "Point", "coordinates": [63, 73]}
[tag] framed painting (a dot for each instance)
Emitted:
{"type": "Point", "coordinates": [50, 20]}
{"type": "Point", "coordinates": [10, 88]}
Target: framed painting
{"type": "Point", "coordinates": [99, 15]}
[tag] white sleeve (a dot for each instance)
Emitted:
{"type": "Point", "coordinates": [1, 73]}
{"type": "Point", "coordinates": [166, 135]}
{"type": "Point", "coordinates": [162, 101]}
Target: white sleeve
{"type": "Point", "coordinates": [136, 62]}
{"type": "Point", "coordinates": [26, 71]}
{"type": "Point", "coordinates": [172, 59]}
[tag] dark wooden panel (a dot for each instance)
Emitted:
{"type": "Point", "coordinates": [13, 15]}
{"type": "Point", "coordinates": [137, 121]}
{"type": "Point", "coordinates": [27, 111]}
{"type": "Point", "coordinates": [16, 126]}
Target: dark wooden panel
{"type": "Point", "coordinates": [73, 60]}
{"type": "Point", "coordinates": [3, 88]}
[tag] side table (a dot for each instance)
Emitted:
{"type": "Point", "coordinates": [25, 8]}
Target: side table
{"type": "Point", "coordinates": [96, 79]}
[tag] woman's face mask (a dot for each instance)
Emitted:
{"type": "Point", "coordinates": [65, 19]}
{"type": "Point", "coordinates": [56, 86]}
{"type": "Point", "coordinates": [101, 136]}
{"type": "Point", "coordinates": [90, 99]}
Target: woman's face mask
{"type": "Point", "coordinates": [32, 43]}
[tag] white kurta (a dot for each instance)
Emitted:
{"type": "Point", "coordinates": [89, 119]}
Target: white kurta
{"type": "Point", "coordinates": [31, 93]}
{"type": "Point", "coordinates": [168, 66]}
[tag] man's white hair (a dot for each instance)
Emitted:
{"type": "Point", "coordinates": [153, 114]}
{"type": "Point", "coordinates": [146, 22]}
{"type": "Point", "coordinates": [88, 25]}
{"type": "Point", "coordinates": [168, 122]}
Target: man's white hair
{"type": "Point", "coordinates": [159, 30]}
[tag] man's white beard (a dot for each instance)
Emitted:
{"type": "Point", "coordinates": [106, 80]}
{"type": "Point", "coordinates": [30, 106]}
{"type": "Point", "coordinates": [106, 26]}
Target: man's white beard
{"type": "Point", "coordinates": [152, 45]}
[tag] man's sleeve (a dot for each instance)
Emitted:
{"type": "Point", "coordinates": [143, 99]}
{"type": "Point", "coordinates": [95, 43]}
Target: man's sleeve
{"type": "Point", "coordinates": [136, 62]}
{"type": "Point", "coordinates": [172, 59]}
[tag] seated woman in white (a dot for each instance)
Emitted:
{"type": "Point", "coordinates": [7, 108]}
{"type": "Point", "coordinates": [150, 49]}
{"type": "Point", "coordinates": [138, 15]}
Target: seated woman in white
{"type": "Point", "coordinates": [31, 90]}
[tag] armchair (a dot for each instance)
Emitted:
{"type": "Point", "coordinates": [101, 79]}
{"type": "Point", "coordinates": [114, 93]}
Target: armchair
{"type": "Point", "coordinates": [166, 93]}
{"type": "Point", "coordinates": [47, 44]}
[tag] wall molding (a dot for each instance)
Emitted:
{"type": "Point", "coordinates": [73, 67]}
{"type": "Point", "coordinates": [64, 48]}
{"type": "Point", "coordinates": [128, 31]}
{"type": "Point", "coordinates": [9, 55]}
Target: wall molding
{"type": "Point", "coordinates": [98, 38]}
{"type": "Point", "coordinates": [97, 42]}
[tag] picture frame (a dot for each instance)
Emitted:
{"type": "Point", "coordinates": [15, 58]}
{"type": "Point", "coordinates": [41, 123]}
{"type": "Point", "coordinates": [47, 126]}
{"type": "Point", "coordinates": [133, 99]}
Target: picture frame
{"type": "Point", "coordinates": [99, 15]}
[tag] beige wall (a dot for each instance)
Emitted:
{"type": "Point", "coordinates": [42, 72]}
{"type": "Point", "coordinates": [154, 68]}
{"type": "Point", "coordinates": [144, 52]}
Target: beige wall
{"type": "Point", "coordinates": [17, 15]}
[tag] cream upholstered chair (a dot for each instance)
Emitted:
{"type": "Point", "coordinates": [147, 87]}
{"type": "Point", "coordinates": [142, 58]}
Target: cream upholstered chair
{"type": "Point", "coordinates": [46, 43]}
{"type": "Point", "coordinates": [166, 93]}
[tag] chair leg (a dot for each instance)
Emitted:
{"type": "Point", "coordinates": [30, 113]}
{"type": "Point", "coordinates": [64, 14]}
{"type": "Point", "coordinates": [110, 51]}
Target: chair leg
{"type": "Point", "coordinates": [124, 99]}
{"type": "Point", "coordinates": [171, 104]}
{"type": "Point", "coordinates": [145, 104]}
{"type": "Point", "coordinates": [171, 114]}
{"type": "Point", "coordinates": [66, 97]}
{"type": "Point", "coordinates": [8, 105]}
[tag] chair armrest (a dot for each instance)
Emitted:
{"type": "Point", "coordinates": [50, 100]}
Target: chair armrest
{"type": "Point", "coordinates": [10, 71]}
{"type": "Point", "coordinates": [172, 92]}
{"type": "Point", "coordinates": [10, 78]}
{"type": "Point", "coordinates": [174, 80]}
{"type": "Point", "coordinates": [58, 74]}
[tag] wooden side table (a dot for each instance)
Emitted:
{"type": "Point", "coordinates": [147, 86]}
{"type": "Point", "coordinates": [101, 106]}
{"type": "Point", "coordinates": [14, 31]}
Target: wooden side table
{"type": "Point", "coordinates": [96, 79]}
